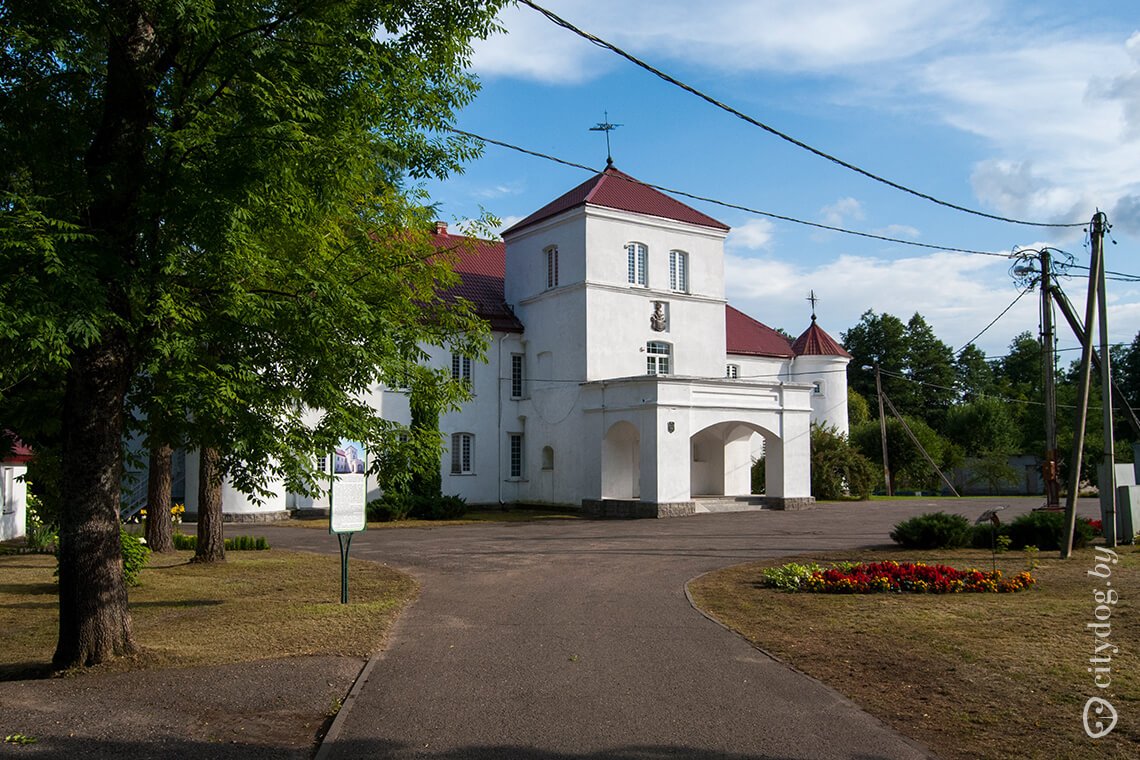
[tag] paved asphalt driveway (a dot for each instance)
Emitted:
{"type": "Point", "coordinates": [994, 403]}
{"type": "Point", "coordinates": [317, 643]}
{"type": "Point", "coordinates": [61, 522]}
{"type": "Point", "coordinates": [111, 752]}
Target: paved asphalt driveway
{"type": "Point", "coordinates": [574, 639]}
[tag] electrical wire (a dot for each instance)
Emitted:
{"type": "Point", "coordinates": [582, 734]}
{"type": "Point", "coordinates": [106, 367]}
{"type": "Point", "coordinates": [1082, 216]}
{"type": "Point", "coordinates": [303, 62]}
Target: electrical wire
{"type": "Point", "coordinates": [726, 204]}
{"type": "Point", "coordinates": [771, 130]}
{"type": "Point", "coordinates": [994, 321]}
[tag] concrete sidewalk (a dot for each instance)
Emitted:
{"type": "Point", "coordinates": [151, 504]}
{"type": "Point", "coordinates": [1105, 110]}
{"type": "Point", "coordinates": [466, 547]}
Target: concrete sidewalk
{"type": "Point", "coordinates": [575, 639]}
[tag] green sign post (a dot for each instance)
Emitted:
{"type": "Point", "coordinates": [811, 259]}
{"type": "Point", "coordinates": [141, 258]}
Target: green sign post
{"type": "Point", "coordinates": [348, 492]}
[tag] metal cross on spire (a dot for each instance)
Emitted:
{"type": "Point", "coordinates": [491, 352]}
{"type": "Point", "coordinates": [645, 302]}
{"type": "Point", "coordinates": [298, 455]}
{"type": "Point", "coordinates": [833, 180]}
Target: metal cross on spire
{"type": "Point", "coordinates": [606, 127]}
{"type": "Point", "coordinates": [811, 297]}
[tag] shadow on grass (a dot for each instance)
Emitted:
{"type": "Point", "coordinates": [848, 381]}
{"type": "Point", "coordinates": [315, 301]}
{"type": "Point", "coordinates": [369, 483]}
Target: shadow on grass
{"type": "Point", "coordinates": [25, 671]}
{"type": "Point", "coordinates": [178, 603]}
{"type": "Point", "coordinates": [29, 588]}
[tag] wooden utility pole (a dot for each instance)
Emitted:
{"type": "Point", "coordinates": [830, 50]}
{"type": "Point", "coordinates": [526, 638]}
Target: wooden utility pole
{"type": "Point", "coordinates": [1083, 391]}
{"type": "Point", "coordinates": [1108, 477]}
{"type": "Point", "coordinates": [883, 431]}
{"type": "Point", "coordinates": [1052, 486]}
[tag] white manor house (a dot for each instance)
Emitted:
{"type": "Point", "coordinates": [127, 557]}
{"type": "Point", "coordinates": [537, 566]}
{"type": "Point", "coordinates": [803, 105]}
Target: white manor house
{"type": "Point", "coordinates": [618, 378]}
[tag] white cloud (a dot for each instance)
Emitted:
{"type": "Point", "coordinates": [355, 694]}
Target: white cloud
{"type": "Point", "coordinates": [753, 235]}
{"type": "Point", "coordinates": [844, 208]}
{"type": "Point", "coordinates": [1058, 112]}
{"type": "Point", "coordinates": [904, 231]}
{"type": "Point", "coordinates": [507, 222]}
{"type": "Point", "coordinates": [499, 191]}
{"type": "Point", "coordinates": [738, 35]}
{"type": "Point", "coordinates": [533, 48]}
{"type": "Point", "coordinates": [958, 294]}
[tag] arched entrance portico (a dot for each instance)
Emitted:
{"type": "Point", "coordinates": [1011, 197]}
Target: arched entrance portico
{"type": "Point", "coordinates": [721, 458]}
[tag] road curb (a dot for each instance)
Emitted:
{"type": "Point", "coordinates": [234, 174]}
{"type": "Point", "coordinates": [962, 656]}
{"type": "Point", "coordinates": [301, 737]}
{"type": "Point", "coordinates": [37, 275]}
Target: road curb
{"type": "Point", "coordinates": [346, 707]}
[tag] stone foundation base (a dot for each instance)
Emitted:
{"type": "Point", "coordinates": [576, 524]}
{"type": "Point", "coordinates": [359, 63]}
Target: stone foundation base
{"type": "Point", "coordinates": [634, 508]}
{"type": "Point", "coordinates": [245, 517]}
{"type": "Point", "coordinates": [794, 502]}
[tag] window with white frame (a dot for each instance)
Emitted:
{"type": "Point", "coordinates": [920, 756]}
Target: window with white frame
{"type": "Point", "coordinates": [732, 371]}
{"type": "Point", "coordinates": [516, 447]}
{"type": "Point", "coordinates": [817, 388]}
{"type": "Point", "coordinates": [462, 454]}
{"type": "Point", "coordinates": [657, 357]}
{"type": "Point", "coordinates": [679, 271]}
{"type": "Point", "coordinates": [552, 267]}
{"type": "Point", "coordinates": [516, 376]}
{"type": "Point", "coordinates": [638, 263]}
{"type": "Point", "coordinates": [461, 367]}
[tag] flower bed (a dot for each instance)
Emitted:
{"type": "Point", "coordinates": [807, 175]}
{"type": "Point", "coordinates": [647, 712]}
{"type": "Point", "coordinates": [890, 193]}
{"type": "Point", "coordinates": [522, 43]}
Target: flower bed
{"type": "Point", "coordinates": [908, 577]}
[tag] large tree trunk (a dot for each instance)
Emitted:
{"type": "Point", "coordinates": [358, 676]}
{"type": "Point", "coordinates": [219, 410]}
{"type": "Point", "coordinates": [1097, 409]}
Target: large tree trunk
{"type": "Point", "coordinates": [159, 528]}
{"type": "Point", "coordinates": [211, 542]}
{"type": "Point", "coordinates": [94, 619]}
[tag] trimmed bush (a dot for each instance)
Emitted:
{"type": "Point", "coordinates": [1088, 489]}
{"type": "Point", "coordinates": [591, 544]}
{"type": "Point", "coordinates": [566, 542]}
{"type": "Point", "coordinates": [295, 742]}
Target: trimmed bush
{"type": "Point", "coordinates": [1046, 530]}
{"type": "Point", "coordinates": [135, 556]}
{"type": "Point", "coordinates": [982, 536]}
{"type": "Point", "coordinates": [438, 507]}
{"type": "Point", "coordinates": [933, 530]}
{"type": "Point", "coordinates": [390, 507]}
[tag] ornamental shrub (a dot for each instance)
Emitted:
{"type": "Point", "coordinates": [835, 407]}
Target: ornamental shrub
{"type": "Point", "coordinates": [933, 530]}
{"type": "Point", "coordinates": [837, 469]}
{"type": "Point", "coordinates": [1045, 529]}
{"type": "Point", "coordinates": [390, 507]}
{"type": "Point", "coordinates": [982, 536]}
{"type": "Point", "coordinates": [135, 556]}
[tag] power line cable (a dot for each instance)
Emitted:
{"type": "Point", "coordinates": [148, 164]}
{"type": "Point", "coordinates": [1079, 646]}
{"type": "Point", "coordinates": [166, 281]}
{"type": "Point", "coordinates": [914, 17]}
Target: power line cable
{"type": "Point", "coordinates": [993, 322]}
{"type": "Point", "coordinates": [726, 204]}
{"type": "Point", "coordinates": [798, 143]}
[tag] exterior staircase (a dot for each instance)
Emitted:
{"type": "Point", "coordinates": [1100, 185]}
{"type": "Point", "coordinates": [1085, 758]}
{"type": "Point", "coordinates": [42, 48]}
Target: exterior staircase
{"type": "Point", "coordinates": [707, 504]}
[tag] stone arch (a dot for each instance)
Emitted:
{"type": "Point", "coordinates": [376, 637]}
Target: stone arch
{"type": "Point", "coordinates": [720, 462]}
{"type": "Point", "coordinates": [621, 462]}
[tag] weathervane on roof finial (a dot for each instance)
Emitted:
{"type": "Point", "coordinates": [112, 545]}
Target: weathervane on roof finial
{"type": "Point", "coordinates": [606, 127]}
{"type": "Point", "coordinates": [811, 297]}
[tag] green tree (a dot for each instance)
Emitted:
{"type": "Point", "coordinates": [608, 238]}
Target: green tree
{"type": "Point", "coordinates": [985, 425]}
{"type": "Point", "coordinates": [837, 469]}
{"type": "Point", "coordinates": [973, 375]}
{"type": "Point", "coordinates": [1126, 370]}
{"type": "Point", "coordinates": [220, 187]}
{"type": "Point", "coordinates": [878, 339]}
{"type": "Point", "coordinates": [909, 468]}
{"type": "Point", "coordinates": [988, 435]}
{"type": "Point", "coordinates": [930, 367]}
{"type": "Point", "coordinates": [858, 410]}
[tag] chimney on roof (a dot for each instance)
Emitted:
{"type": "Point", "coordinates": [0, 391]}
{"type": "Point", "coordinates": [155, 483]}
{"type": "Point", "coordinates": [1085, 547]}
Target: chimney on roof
{"type": "Point", "coordinates": [441, 228]}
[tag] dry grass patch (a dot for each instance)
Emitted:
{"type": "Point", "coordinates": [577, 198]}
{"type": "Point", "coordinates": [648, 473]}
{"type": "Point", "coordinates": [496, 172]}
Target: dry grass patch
{"type": "Point", "coordinates": [471, 518]}
{"type": "Point", "coordinates": [995, 676]}
{"type": "Point", "coordinates": [254, 606]}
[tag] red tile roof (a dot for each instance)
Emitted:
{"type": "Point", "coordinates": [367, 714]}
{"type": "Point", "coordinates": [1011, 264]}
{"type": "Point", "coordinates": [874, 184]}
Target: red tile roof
{"type": "Point", "coordinates": [12, 449]}
{"type": "Point", "coordinates": [744, 335]}
{"type": "Point", "coordinates": [479, 264]}
{"type": "Point", "coordinates": [615, 189]}
{"type": "Point", "coordinates": [815, 342]}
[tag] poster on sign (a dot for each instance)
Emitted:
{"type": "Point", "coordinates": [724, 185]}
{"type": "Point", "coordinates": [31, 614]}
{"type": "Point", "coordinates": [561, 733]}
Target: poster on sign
{"type": "Point", "coordinates": [349, 490]}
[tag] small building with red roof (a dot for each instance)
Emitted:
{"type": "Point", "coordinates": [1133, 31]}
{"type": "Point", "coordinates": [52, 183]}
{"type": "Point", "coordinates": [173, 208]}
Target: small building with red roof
{"type": "Point", "coordinates": [14, 458]}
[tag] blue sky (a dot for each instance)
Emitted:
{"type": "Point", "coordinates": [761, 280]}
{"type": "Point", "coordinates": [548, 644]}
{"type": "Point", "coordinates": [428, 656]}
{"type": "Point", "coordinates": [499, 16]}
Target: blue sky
{"type": "Point", "coordinates": [1029, 110]}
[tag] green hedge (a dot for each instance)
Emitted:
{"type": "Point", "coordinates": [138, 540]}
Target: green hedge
{"type": "Point", "coordinates": [933, 530]}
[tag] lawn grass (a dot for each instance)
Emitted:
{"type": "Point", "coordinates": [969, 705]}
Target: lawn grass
{"type": "Point", "coordinates": [254, 606]}
{"type": "Point", "coordinates": [989, 676]}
